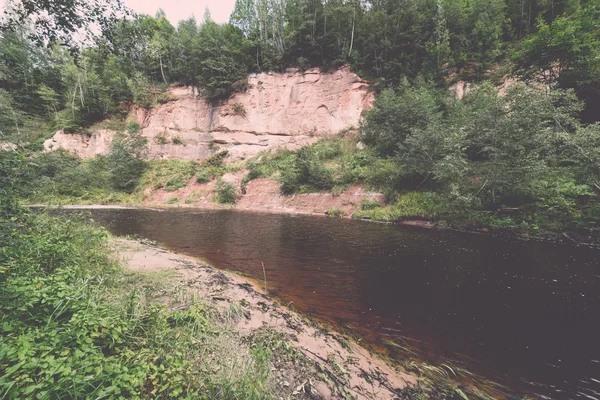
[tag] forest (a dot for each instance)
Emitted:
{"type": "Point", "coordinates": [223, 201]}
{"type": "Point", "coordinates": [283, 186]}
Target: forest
{"type": "Point", "coordinates": [522, 157]}
{"type": "Point", "coordinates": [527, 158]}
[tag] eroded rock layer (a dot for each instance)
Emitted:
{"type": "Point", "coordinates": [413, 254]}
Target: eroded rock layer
{"type": "Point", "coordinates": [288, 110]}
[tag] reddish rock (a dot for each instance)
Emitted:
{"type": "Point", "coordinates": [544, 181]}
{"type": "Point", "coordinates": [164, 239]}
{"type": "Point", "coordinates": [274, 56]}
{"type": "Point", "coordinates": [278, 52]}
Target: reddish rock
{"type": "Point", "coordinates": [287, 110]}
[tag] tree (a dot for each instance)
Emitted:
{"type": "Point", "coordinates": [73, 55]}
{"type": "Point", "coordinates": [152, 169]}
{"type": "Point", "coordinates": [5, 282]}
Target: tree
{"type": "Point", "coordinates": [511, 139]}
{"type": "Point", "coordinates": [487, 23]}
{"type": "Point", "coordinates": [58, 20]}
{"type": "Point", "coordinates": [566, 53]}
{"type": "Point", "coordinates": [397, 114]}
{"type": "Point", "coordinates": [9, 117]}
{"type": "Point", "coordinates": [125, 160]}
{"type": "Point", "coordinates": [223, 59]}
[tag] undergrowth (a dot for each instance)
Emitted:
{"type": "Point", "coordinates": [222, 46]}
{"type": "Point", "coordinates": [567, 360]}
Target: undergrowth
{"type": "Point", "coordinates": [75, 325]}
{"type": "Point", "coordinates": [420, 205]}
{"type": "Point", "coordinates": [328, 165]}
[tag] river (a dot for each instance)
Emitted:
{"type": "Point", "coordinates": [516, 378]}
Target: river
{"type": "Point", "coordinates": [524, 313]}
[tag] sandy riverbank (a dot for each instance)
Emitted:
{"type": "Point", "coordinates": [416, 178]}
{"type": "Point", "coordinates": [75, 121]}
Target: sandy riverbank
{"type": "Point", "coordinates": [337, 365]}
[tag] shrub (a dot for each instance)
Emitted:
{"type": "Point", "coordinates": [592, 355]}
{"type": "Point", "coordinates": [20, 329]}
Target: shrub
{"type": "Point", "coordinates": [173, 200]}
{"type": "Point", "coordinates": [177, 140]}
{"type": "Point", "coordinates": [420, 205]}
{"type": "Point", "coordinates": [226, 193]}
{"type": "Point", "coordinates": [133, 127]}
{"type": "Point", "coordinates": [239, 109]}
{"type": "Point", "coordinates": [202, 177]}
{"type": "Point", "coordinates": [336, 212]}
{"type": "Point", "coordinates": [161, 139]}
{"type": "Point", "coordinates": [369, 204]}
{"type": "Point", "coordinates": [126, 160]}
{"type": "Point", "coordinates": [141, 89]}
{"type": "Point", "coordinates": [169, 174]}
{"type": "Point", "coordinates": [175, 183]}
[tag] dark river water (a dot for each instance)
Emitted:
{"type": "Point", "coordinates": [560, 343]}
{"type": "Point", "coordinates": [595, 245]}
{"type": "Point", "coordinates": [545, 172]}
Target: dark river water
{"type": "Point", "coordinates": [524, 313]}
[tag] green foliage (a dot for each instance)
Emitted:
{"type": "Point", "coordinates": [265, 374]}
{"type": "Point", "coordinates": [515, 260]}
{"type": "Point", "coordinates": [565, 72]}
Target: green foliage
{"type": "Point", "coordinates": [239, 109]}
{"type": "Point", "coordinates": [369, 204]}
{"type": "Point", "coordinates": [177, 140]}
{"type": "Point", "coordinates": [397, 113]}
{"type": "Point", "coordinates": [75, 325]}
{"type": "Point", "coordinates": [226, 193]}
{"type": "Point", "coordinates": [141, 90]}
{"type": "Point", "coordinates": [223, 59]}
{"type": "Point", "coordinates": [567, 52]}
{"type": "Point", "coordinates": [125, 161]}
{"type": "Point", "coordinates": [160, 139]}
{"type": "Point", "coordinates": [410, 205]}
{"type": "Point", "coordinates": [10, 118]}
{"type": "Point", "coordinates": [326, 165]}
{"type": "Point", "coordinates": [336, 212]}
{"type": "Point", "coordinates": [170, 174]}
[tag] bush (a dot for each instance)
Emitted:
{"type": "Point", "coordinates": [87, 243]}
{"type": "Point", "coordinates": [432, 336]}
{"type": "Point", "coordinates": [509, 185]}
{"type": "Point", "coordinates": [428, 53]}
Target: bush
{"type": "Point", "coordinates": [175, 183]}
{"type": "Point", "coordinates": [141, 89]}
{"type": "Point", "coordinates": [170, 174]}
{"type": "Point", "coordinates": [74, 324]}
{"type": "Point", "coordinates": [177, 140]}
{"type": "Point", "coordinates": [126, 160]}
{"type": "Point", "coordinates": [226, 193]}
{"type": "Point", "coordinates": [202, 177]}
{"type": "Point", "coordinates": [239, 109]}
{"type": "Point", "coordinates": [396, 114]}
{"type": "Point", "coordinates": [369, 204]}
{"type": "Point", "coordinates": [160, 139]}
{"type": "Point", "coordinates": [419, 205]}
{"type": "Point", "coordinates": [133, 127]}
{"type": "Point", "coordinates": [336, 212]}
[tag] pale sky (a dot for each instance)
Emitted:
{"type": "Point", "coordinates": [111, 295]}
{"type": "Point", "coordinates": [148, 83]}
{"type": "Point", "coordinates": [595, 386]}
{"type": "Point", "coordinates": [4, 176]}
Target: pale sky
{"type": "Point", "coordinates": [177, 10]}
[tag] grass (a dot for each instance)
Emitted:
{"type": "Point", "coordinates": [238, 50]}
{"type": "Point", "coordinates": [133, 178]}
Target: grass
{"type": "Point", "coordinates": [410, 205]}
{"type": "Point", "coordinates": [336, 212]}
{"type": "Point", "coordinates": [76, 325]}
{"type": "Point", "coordinates": [226, 193]}
{"type": "Point", "coordinates": [59, 178]}
{"type": "Point", "coordinates": [168, 174]}
{"type": "Point", "coordinates": [327, 165]}
{"type": "Point", "coordinates": [239, 109]}
{"type": "Point", "coordinates": [369, 204]}
{"type": "Point", "coordinates": [161, 139]}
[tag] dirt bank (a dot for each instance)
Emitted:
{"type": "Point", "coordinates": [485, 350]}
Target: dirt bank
{"type": "Point", "coordinates": [262, 195]}
{"type": "Point", "coordinates": [336, 367]}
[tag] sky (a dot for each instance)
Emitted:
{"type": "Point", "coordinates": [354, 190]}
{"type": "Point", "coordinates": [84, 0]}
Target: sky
{"type": "Point", "coordinates": [177, 10]}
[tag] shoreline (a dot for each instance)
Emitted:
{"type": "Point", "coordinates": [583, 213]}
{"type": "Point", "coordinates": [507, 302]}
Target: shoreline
{"type": "Point", "coordinates": [416, 223]}
{"type": "Point", "coordinates": [340, 365]}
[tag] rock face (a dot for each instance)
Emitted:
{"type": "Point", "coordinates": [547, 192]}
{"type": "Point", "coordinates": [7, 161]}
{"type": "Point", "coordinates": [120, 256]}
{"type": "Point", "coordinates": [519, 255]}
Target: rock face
{"type": "Point", "coordinates": [288, 110]}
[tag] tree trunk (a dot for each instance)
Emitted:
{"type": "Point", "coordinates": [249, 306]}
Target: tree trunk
{"type": "Point", "coordinates": [352, 36]}
{"type": "Point", "coordinates": [161, 68]}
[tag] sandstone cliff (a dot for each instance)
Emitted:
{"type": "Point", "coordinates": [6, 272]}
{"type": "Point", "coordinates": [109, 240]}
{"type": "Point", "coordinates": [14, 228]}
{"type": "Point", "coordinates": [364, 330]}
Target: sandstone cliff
{"type": "Point", "coordinates": [287, 110]}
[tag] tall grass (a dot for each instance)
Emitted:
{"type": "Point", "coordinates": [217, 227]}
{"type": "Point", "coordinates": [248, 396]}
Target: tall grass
{"type": "Point", "coordinates": [74, 324]}
{"type": "Point", "coordinates": [419, 205]}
